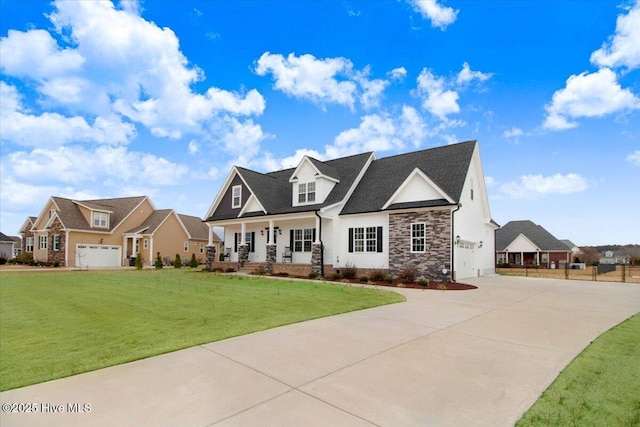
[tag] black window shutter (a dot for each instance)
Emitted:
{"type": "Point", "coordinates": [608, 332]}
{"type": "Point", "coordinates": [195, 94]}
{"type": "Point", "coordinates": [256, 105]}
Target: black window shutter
{"type": "Point", "coordinates": [314, 235]}
{"type": "Point", "coordinates": [235, 243]}
{"type": "Point", "coordinates": [253, 241]}
{"type": "Point", "coordinates": [291, 239]}
{"type": "Point", "coordinates": [350, 239]}
{"type": "Point", "coordinates": [379, 240]}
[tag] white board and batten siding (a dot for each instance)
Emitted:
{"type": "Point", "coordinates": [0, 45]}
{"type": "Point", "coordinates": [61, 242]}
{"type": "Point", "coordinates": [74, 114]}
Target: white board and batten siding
{"type": "Point", "coordinates": [98, 255]}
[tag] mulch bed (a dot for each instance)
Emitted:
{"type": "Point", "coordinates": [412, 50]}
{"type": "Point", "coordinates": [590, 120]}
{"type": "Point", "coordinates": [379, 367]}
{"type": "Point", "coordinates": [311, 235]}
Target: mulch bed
{"type": "Point", "coordinates": [434, 286]}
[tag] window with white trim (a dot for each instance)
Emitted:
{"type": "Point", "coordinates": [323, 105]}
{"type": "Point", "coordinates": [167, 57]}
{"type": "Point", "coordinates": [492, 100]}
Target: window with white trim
{"type": "Point", "coordinates": [307, 192]}
{"type": "Point", "coordinates": [236, 196]}
{"type": "Point", "coordinates": [29, 245]}
{"type": "Point", "coordinates": [418, 237]}
{"type": "Point", "coordinates": [100, 219]}
{"type": "Point", "coordinates": [42, 242]}
{"type": "Point", "coordinates": [201, 248]}
{"type": "Point", "coordinates": [186, 246]}
{"type": "Point", "coordinates": [145, 243]}
{"type": "Point", "coordinates": [56, 242]}
{"type": "Point", "coordinates": [302, 240]}
{"type": "Point", "coordinates": [365, 239]}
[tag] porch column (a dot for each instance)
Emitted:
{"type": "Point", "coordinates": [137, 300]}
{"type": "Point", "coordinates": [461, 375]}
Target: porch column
{"type": "Point", "coordinates": [272, 255]}
{"type": "Point", "coordinates": [243, 250]}
{"type": "Point", "coordinates": [210, 243]}
{"type": "Point", "coordinates": [316, 251]}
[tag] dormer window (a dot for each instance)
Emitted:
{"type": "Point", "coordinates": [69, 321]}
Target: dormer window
{"type": "Point", "coordinates": [307, 192]}
{"type": "Point", "coordinates": [100, 219]}
{"type": "Point", "coordinates": [236, 196]}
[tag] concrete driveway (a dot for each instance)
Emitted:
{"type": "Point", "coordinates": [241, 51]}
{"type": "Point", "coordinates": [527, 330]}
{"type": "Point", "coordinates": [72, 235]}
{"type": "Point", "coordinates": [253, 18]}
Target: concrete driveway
{"type": "Point", "coordinates": [452, 358]}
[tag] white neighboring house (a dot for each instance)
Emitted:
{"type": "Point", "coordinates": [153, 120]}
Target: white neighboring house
{"type": "Point", "coordinates": [426, 209]}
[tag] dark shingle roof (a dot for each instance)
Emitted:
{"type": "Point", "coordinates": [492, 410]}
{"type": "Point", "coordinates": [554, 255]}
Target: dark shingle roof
{"type": "Point", "coordinates": [273, 189]}
{"type": "Point", "coordinates": [446, 166]}
{"type": "Point", "coordinates": [540, 237]}
{"type": "Point", "coordinates": [5, 238]}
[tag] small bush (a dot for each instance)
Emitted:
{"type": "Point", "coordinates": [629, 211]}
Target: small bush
{"type": "Point", "coordinates": [3, 259]}
{"type": "Point", "coordinates": [194, 262]}
{"type": "Point", "coordinates": [282, 274]}
{"type": "Point", "coordinates": [24, 258]}
{"type": "Point", "coordinates": [138, 262]}
{"type": "Point", "coordinates": [364, 279]}
{"type": "Point", "coordinates": [177, 262]}
{"type": "Point", "coordinates": [56, 264]}
{"type": "Point", "coordinates": [312, 275]}
{"type": "Point", "coordinates": [158, 263]}
{"type": "Point", "coordinates": [423, 282]}
{"type": "Point", "coordinates": [408, 275]}
{"type": "Point", "coordinates": [336, 276]}
{"type": "Point", "coordinates": [377, 275]}
{"type": "Point", "coordinates": [349, 271]}
{"type": "Point", "coordinates": [388, 279]}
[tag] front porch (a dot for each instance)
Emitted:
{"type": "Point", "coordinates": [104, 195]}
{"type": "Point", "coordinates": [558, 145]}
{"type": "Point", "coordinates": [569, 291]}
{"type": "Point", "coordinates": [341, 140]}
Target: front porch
{"type": "Point", "coordinates": [292, 269]}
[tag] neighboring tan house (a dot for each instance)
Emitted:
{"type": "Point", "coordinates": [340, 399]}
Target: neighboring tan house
{"type": "Point", "coordinates": [108, 232]}
{"type": "Point", "coordinates": [526, 243]}
{"type": "Point", "coordinates": [427, 210]}
{"type": "Point", "coordinates": [9, 246]}
{"type": "Point", "coordinates": [27, 235]}
{"type": "Point", "coordinates": [575, 250]}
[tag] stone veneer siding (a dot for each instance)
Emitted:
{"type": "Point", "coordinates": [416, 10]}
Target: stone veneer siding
{"type": "Point", "coordinates": [211, 256]}
{"type": "Point", "coordinates": [316, 258]}
{"type": "Point", "coordinates": [243, 255]}
{"type": "Point", "coordinates": [438, 243]}
{"type": "Point", "coordinates": [56, 256]}
{"type": "Point", "coordinates": [272, 257]}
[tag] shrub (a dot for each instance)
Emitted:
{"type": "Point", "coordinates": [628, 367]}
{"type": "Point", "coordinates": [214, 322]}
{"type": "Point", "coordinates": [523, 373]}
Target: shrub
{"type": "Point", "coordinates": [158, 263]}
{"type": "Point", "coordinates": [377, 275]}
{"type": "Point", "coordinates": [388, 279]}
{"type": "Point", "coordinates": [138, 262]}
{"type": "Point", "coordinates": [24, 258]}
{"type": "Point", "coordinates": [364, 279]}
{"type": "Point", "coordinates": [177, 262]}
{"type": "Point", "coordinates": [194, 262]}
{"type": "Point", "coordinates": [336, 276]}
{"type": "Point", "coordinates": [349, 271]}
{"type": "Point", "coordinates": [3, 259]}
{"type": "Point", "coordinates": [283, 274]}
{"type": "Point", "coordinates": [423, 282]}
{"type": "Point", "coordinates": [312, 275]}
{"type": "Point", "coordinates": [56, 264]}
{"type": "Point", "coordinates": [408, 275]}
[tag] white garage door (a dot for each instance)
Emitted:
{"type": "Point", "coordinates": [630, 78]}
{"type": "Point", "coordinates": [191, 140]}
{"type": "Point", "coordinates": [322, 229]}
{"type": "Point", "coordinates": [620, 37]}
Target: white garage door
{"type": "Point", "coordinates": [98, 256]}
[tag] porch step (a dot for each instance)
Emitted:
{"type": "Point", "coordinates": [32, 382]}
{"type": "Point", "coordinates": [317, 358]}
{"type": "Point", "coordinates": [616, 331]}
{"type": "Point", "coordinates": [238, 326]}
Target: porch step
{"type": "Point", "coordinates": [250, 267]}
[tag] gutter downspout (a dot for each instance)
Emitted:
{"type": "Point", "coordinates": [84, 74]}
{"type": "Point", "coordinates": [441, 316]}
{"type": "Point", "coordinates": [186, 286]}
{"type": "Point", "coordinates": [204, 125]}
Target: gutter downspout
{"type": "Point", "coordinates": [453, 242]}
{"type": "Point", "coordinates": [321, 244]}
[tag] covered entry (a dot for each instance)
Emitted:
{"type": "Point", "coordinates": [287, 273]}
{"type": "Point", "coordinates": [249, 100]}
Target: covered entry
{"type": "Point", "coordinates": [98, 255]}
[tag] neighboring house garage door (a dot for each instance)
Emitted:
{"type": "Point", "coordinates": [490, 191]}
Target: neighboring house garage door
{"type": "Point", "coordinates": [98, 256]}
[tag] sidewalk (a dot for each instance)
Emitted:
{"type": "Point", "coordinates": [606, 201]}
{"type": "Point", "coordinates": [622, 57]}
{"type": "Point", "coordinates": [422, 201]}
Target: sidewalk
{"type": "Point", "coordinates": [479, 357]}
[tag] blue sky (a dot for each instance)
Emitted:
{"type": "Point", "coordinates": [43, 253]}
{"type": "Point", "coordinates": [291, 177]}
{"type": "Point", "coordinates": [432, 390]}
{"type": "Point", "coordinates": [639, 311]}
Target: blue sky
{"type": "Point", "coordinates": [162, 98]}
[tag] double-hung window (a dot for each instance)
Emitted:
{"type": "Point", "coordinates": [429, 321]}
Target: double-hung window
{"type": "Point", "coordinates": [307, 192]}
{"type": "Point", "coordinates": [365, 239]}
{"type": "Point", "coordinates": [100, 219]}
{"type": "Point", "coordinates": [29, 245]}
{"type": "Point", "coordinates": [302, 239]}
{"type": "Point", "coordinates": [56, 242]}
{"type": "Point", "coordinates": [236, 196]}
{"type": "Point", "coordinates": [418, 237]}
{"type": "Point", "coordinates": [42, 242]}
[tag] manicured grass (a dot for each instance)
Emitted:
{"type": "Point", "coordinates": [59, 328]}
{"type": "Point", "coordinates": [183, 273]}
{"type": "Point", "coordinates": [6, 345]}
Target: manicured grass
{"type": "Point", "coordinates": [56, 324]}
{"type": "Point", "coordinates": [600, 387]}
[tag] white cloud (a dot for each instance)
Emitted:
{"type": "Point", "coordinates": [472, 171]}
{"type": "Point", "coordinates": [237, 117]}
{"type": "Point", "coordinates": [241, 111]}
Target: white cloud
{"type": "Point", "coordinates": [534, 186]}
{"type": "Point", "coordinates": [306, 77]}
{"type": "Point", "coordinates": [325, 81]}
{"type": "Point", "coordinates": [380, 132]}
{"type": "Point", "coordinates": [466, 75]}
{"type": "Point", "coordinates": [105, 61]}
{"type": "Point", "coordinates": [514, 132]}
{"type": "Point", "coordinates": [588, 95]}
{"type": "Point", "coordinates": [436, 98]}
{"type": "Point", "coordinates": [193, 147]}
{"type": "Point", "coordinates": [634, 158]}
{"type": "Point", "coordinates": [439, 15]}
{"type": "Point", "coordinates": [623, 48]}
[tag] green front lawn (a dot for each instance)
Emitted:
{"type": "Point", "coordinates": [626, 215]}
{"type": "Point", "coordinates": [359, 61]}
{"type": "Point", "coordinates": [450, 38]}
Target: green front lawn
{"type": "Point", "coordinates": [56, 324]}
{"type": "Point", "coordinates": [600, 387]}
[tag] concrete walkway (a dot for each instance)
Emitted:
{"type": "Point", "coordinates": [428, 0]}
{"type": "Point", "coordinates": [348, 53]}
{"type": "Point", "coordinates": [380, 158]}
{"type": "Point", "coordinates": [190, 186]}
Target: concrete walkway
{"type": "Point", "coordinates": [453, 358]}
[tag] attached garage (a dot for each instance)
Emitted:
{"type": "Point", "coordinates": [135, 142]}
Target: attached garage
{"type": "Point", "coordinates": [98, 255]}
